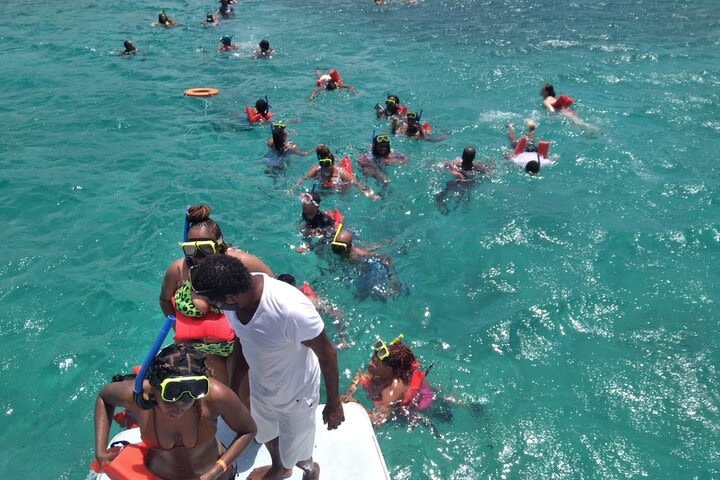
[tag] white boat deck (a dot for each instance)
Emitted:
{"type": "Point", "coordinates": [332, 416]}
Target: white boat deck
{"type": "Point", "coordinates": [351, 451]}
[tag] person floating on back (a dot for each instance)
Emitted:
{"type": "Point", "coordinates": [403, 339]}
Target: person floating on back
{"type": "Point", "coordinates": [525, 153]}
{"type": "Point", "coordinates": [329, 81]}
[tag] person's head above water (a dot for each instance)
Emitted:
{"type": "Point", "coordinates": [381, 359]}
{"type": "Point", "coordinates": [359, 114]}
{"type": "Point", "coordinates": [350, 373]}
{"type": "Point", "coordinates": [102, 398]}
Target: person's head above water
{"type": "Point", "coordinates": [391, 104]}
{"type": "Point", "coordinates": [310, 204]}
{"type": "Point", "coordinates": [468, 156]}
{"type": "Point", "coordinates": [210, 18]}
{"type": "Point", "coordinates": [178, 376]}
{"type": "Point", "coordinates": [262, 106]}
{"type": "Point", "coordinates": [226, 40]}
{"type": "Point", "coordinates": [322, 151]}
{"type": "Point", "coordinates": [342, 241]}
{"type": "Point", "coordinates": [129, 46]}
{"type": "Point", "coordinates": [162, 18]}
{"type": "Point", "coordinates": [547, 90]}
{"type": "Point", "coordinates": [264, 45]}
{"type": "Point", "coordinates": [287, 278]}
{"type": "Point", "coordinates": [279, 135]}
{"type": "Point", "coordinates": [381, 145]}
{"type": "Point", "coordinates": [532, 167]}
{"type": "Point", "coordinates": [398, 356]}
{"type": "Point", "coordinates": [331, 85]}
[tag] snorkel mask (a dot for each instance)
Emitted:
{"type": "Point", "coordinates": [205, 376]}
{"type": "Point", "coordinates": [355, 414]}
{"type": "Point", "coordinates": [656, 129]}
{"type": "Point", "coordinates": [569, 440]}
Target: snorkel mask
{"type": "Point", "coordinates": [226, 40]}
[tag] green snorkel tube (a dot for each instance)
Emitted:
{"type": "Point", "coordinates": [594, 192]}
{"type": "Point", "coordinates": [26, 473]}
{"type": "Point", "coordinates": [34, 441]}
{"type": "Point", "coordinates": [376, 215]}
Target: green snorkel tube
{"type": "Point", "coordinates": [138, 387]}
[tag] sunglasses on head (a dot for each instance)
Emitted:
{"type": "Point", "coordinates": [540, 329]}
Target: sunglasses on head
{"type": "Point", "coordinates": [382, 138]}
{"type": "Point", "coordinates": [338, 247]}
{"type": "Point", "coordinates": [279, 125]}
{"type": "Point", "coordinates": [201, 248]}
{"type": "Point", "coordinates": [179, 388]}
{"type": "Point", "coordinates": [390, 101]}
{"type": "Point", "coordinates": [381, 349]}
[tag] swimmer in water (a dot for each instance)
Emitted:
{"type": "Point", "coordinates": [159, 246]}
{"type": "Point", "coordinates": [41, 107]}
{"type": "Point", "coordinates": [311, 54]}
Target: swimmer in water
{"type": "Point", "coordinates": [226, 44]}
{"type": "Point", "coordinates": [329, 175]}
{"type": "Point", "coordinates": [225, 9]}
{"type": "Point", "coordinates": [561, 104]}
{"type": "Point", "coordinates": [165, 21]}
{"type": "Point", "coordinates": [466, 171]}
{"type": "Point", "coordinates": [375, 276]}
{"type": "Point", "coordinates": [322, 306]}
{"type": "Point", "coordinates": [393, 381]}
{"type": "Point", "coordinates": [392, 108]}
{"type": "Point", "coordinates": [380, 156]}
{"type": "Point", "coordinates": [130, 48]}
{"type": "Point", "coordinates": [278, 142]}
{"type": "Point", "coordinates": [317, 226]}
{"type": "Point", "coordinates": [529, 159]}
{"type": "Point", "coordinates": [264, 50]}
{"type": "Point", "coordinates": [410, 128]}
{"type": "Point", "coordinates": [277, 158]}
{"type": "Point", "coordinates": [325, 81]}
{"type": "Point", "coordinates": [211, 20]}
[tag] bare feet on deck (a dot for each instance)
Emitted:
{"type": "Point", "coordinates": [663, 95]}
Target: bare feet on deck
{"type": "Point", "coordinates": [312, 473]}
{"type": "Point", "coordinates": [269, 473]}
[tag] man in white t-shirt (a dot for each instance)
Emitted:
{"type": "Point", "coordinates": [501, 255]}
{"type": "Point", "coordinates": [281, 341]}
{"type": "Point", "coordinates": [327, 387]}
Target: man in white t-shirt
{"type": "Point", "coordinates": [284, 349]}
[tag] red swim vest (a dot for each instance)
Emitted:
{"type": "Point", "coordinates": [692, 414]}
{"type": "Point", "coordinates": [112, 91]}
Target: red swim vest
{"type": "Point", "coordinates": [254, 116]}
{"type": "Point", "coordinates": [213, 325]}
{"type": "Point", "coordinates": [307, 291]}
{"type": "Point", "coordinates": [128, 465]}
{"type": "Point", "coordinates": [418, 394]}
{"type": "Point", "coordinates": [563, 101]}
{"type": "Point", "coordinates": [346, 165]}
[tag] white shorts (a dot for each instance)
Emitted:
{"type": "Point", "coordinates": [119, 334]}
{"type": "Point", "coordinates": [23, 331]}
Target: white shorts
{"type": "Point", "coordinates": [295, 429]}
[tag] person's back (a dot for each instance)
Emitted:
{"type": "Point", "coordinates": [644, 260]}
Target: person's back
{"type": "Point", "coordinates": [282, 370]}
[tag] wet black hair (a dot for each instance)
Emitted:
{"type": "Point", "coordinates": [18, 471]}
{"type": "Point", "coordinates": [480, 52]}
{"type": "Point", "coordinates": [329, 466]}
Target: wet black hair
{"type": "Point", "coordinates": [221, 275]}
{"type": "Point", "coordinates": [402, 360]}
{"type": "Point", "coordinates": [262, 106]}
{"type": "Point", "coordinates": [323, 151]}
{"type": "Point", "coordinates": [532, 167]}
{"type": "Point", "coordinates": [468, 156]}
{"type": "Point", "coordinates": [547, 90]}
{"type": "Point", "coordinates": [279, 135]}
{"type": "Point", "coordinates": [176, 360]}
{"type": "Point", "coordinates": [287, 278]}
{"type": "Point", "coordinates": [264, 45]}
{"type": "Point", "coordinates": [331, 85]}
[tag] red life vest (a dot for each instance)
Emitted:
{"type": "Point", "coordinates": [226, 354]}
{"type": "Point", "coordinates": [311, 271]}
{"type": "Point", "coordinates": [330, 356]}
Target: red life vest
{"type": "Point", "coordinates": [213, 325]}
{"type": "Point", "coordinates": [418, 394]}
{"type": "Point", "coordinates": [563, 101]}
{"type": "Point", "coordinates": [128, 465]}
{"type": "Point", "coordinates": [346, 165]}
{"type": "Point", "coordinates": [307, 291]}
{"type": "Point", "coordinates": [255, 116]}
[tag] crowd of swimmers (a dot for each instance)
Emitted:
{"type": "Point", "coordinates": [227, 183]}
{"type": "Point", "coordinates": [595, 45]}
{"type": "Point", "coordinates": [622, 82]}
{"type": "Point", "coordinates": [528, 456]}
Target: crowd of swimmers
{"type": "Point", "coordinates": [251, 348]}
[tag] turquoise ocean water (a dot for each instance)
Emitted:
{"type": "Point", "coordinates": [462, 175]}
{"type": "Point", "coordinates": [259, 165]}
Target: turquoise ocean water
{"type": "Point", "coordinates": [578, 309]}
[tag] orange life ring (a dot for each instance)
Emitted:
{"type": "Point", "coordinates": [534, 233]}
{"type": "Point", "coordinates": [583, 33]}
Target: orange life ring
{"type": "Point", "coordinates": [201, 92]}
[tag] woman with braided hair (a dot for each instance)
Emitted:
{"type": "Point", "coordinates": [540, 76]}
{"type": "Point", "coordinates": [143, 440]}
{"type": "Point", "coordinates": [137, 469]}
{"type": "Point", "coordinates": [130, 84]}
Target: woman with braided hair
{"type": "Point", "coordinates": [179, 428]}
{"type": "Point", "coordinates": [204, 239]}
{"type": "Point", "coordinates": [393, 380]}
